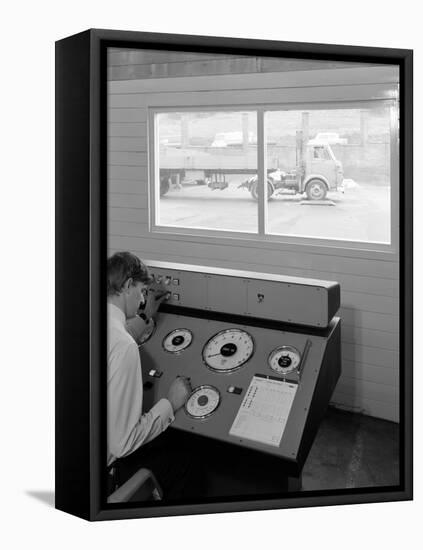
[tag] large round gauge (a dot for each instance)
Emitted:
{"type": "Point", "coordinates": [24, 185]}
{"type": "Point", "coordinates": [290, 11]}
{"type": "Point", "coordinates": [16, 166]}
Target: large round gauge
{"type": "Point", "coordinates": [202, 402]}
{"type": "Point", "coordinates": [284, 359]}
{"type": "Point", "coordinates": [177, 340]}
{"type": "Point", "coordinates": [228, 350]}
{"type": "Point", "coordinates": [148, 332]}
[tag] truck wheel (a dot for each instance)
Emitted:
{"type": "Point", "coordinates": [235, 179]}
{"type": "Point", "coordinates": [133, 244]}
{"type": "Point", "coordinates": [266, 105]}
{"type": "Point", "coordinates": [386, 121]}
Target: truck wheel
{"type": "Point", "coordinates": [316, 190]}
{"type": "Point", "coordinates": [164, 186]}
{"type": "Point", "coordinates": [253, 190]}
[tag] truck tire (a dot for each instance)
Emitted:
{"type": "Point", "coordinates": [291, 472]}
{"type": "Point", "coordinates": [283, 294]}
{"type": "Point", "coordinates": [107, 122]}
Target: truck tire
{"type": "Point", "coordinates": [270, 190]}
{"type": "Point", "coordinates": [316, 190]}
{"type": "Point", "coordinates": [164, 186]}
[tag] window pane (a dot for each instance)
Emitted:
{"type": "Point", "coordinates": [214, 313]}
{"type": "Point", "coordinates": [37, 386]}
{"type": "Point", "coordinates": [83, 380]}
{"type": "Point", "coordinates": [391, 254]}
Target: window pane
{"type": "Point", "coordinates": [330, 173]}
{"type": "Point", "coordinates": [202, 158]}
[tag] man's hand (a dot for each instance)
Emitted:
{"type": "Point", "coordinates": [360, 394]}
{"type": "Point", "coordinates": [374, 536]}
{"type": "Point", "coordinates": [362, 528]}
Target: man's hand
{"type": "Point", "coordinates": [179, 392]}
{"type": "Point", "coordinates": [156, 295]}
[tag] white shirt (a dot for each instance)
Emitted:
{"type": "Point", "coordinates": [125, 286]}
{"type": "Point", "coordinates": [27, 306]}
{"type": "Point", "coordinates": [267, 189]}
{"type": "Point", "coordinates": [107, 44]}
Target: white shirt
{"type": "Point", "coordinates": [127, 427]}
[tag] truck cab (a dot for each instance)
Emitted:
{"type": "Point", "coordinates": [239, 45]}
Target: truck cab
{"type": "Point", "coordinates": [322, 172]}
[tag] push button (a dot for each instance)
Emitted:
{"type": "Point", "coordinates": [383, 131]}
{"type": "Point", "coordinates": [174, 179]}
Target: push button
{"type": "Point", "coordinates": [155, 373]}
{"type": "Point", "coordinates": [234, 389]}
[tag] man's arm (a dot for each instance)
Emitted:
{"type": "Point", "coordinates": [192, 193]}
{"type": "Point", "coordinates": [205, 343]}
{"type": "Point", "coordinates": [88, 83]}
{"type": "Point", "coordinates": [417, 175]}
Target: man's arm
{"type": "Point", "coordinates": [127, 427]}
{"type": "Point", "coordinates": [136, 327]}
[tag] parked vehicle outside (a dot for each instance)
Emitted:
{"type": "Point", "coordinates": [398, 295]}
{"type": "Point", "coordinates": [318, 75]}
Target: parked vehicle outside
{"type": "Point", "coordinates": [332, 138]}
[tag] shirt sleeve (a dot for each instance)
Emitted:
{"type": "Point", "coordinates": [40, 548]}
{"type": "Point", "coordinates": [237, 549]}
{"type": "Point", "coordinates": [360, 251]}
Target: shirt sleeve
{"type": "Point", "coordinates": [127, 427]}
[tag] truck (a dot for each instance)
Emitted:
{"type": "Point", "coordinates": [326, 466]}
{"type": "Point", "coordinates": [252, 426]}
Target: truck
{"type": "Point", "coordinates": [316, 169]}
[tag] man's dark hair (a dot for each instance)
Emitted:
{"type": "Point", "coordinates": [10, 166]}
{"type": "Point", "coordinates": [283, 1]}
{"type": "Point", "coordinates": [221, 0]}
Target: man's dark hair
{"type": "Point", "coordinates": [123, 266]}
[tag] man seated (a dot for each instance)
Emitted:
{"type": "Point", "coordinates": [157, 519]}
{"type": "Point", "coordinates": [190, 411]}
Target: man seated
{"type": "Point", "coordinates": [129, 430]}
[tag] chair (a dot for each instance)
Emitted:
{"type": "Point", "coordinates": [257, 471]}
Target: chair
{"type": "Point", "coordinates": [142, 486]}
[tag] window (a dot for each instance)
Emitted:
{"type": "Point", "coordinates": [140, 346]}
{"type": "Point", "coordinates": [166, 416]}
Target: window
{"type": "Point", "coordinates": [202, 158]}
{"type": "Point", "coordinates": [330, 170]}
{"type": "Point", "coordinates": [330, 185]}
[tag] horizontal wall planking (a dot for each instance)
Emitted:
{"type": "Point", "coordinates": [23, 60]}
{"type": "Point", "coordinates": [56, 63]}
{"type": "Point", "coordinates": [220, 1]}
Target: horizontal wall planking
{"type": "Point", "coordinates": [129, 187]}
{"type": "Point", "coordinates": [142, 172]}
{"type": "Point", "coordinates": [370, 337]}
{"type": "Point", "coordinates": [126, 200]}
{"type": "Point", "coordinates": [371, 407]}
{"type": "Point", "coordinates": [371, 355]}
{"type": "Point", "coordinates": [135, 173]}
{"type": "Point", "coordinates": [298, 79]}
{"type": "Point", "coordinates": [370, 373]}
{"type": "Point", "coordinates": [194, 252]}
{"type": "Point", "coordinates": [369, 302]}
{"type": "Point", "coordinates": [128, 144]}
{"type": "Point", "coordinates": [367, 390]}
{"type": "Point", "coordinates": [122, 129]}
{"type": "Point", "coordinates": [124, 215]}
{"type": "Point", "coordinates": [155, 255]}
{"type": "Point", "coordinates": [364, 285]}
{"type": "Point", "coordinates": [121, 201]}
{"type": "Point", "coordinates": [123, 158]}
{"type": "Point", "coordinates": [369, 320]}
{"type": "Point", "coordinates": [126, 115]}
{"type": "Point", "coordinates": [255, 96]}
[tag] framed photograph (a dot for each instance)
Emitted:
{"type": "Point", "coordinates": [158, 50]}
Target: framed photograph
{"type": "Point", "coordinates": [234, 274]}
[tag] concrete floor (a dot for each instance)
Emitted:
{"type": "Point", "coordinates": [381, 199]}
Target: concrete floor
{"type": "Point", "coordinates": [352, 450]}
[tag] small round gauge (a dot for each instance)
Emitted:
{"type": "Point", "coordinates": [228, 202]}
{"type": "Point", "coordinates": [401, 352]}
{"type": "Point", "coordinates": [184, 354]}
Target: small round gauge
{"type": "Point", "coordinates": [284, 359]}
{"type": "Point", "coordinates": [202, 402]}
{"type": "Point", "coordinates": [177, 340]}
{"type": "Point", "coordinates": [148, 332]}
{"type": "Point", "coordinates": [228, 350]}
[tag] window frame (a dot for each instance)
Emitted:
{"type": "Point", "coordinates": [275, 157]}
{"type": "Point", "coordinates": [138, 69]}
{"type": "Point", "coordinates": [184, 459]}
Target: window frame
{"type": "Point", "coordinates": [263, 236]}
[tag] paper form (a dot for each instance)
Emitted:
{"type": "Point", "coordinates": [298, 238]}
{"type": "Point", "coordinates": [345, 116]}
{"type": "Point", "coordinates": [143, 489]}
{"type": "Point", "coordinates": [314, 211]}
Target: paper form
{"type": "Point", "coordinates": [264, 410]}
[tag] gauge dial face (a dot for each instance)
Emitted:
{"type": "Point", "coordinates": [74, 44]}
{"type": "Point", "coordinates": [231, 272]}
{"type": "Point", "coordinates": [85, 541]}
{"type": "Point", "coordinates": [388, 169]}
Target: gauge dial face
{"type": "Point", "coordinates": [228, 350]}
{"type": "Point", "coordinates": [148, 332]}
{"type": "Point", "coordinates": [177, 340]}
{"type": "Point", "coordinates": [284, 359]}
{"type": "Point", "coordinates": [202, 402]}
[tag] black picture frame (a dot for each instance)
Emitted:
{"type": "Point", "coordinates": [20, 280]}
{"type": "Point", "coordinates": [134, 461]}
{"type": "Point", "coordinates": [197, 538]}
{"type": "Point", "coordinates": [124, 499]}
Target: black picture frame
{"type": "Point", "coordinates": [81, 244]}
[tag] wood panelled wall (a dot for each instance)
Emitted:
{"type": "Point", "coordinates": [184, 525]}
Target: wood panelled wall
{"type": "Point", "coordinates": [369, 282]}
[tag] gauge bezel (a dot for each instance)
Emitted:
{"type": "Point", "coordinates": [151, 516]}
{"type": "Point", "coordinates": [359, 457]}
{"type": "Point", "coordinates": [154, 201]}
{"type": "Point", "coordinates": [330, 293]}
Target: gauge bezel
{"type": "Point", "coordinates": [293, 369]}
{"type": "Point", "coordinates": [140, 344]}
{"type": "Point", "coordinates": [180, 350]}
{"type": "Point", "coordinates": [194, 391]}
{"type": "Point", "coordinates": [228, 371]}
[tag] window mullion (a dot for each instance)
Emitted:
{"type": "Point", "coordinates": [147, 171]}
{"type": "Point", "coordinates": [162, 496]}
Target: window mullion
{"type": "Point", "coordinates": [262, 173]}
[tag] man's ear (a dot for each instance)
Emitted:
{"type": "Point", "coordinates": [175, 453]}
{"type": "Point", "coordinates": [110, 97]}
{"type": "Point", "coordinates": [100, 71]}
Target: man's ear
{"type": "Point", "coordinates": [127, 284]}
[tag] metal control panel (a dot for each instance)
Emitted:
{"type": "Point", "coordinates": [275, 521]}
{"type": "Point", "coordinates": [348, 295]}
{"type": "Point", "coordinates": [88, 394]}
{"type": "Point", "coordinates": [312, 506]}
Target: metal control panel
{"type": "Point", "coordinates": [293, 300]}
{"type": "Point", "coordinates": [262, 353]}
{"type": "Point", "coordinates": [222, 359]}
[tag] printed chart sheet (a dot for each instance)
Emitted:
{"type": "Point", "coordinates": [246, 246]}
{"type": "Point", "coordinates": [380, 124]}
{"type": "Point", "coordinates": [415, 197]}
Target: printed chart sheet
{"type": "Point", "coordinates": [264, 410]}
